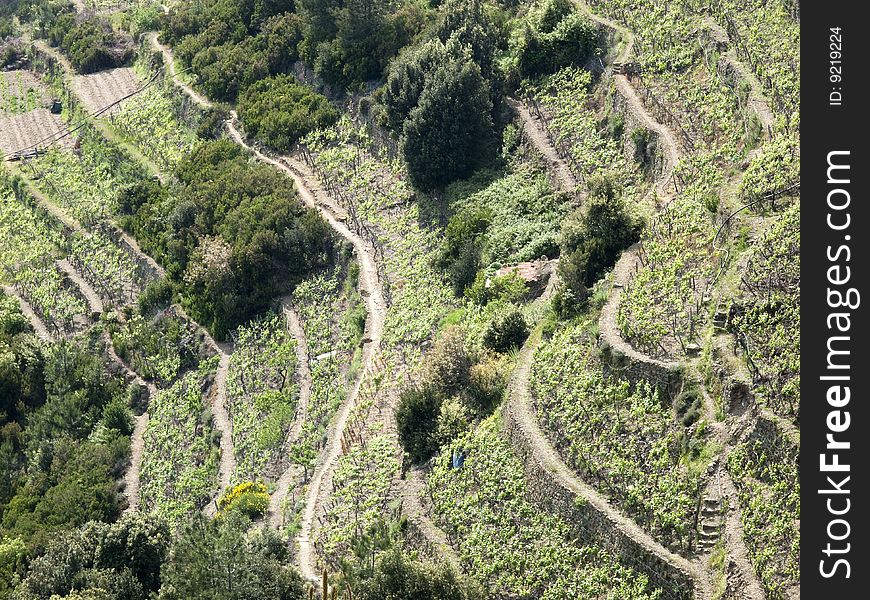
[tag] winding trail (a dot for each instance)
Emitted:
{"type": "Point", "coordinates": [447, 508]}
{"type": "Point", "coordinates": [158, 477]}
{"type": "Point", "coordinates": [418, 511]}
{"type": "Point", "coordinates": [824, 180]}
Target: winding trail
{"type": "Point", "coordinates": [27, 310]}
{"type": "Point", "coordinates": [220, 416]}
{"type": "Point", "coordinates": [757, 98]}
{"type": "Point", "coordinates": [303, 374]}
{"type": "Point", "coordinates": [608, 326]}
{"type": "Point", "coordinates": [372, 290]}
{"type": "Point", "coordinates": [318, 488]}
{"type": "Point", "coordinates": [519, 415]}
{"type": "Point", "coordinates": [140, 424]}
{"type": "Point", "coordinates": [169, 61]}
{"type": "Point", "coordinates": [90, 294]}
{"type": "Point", "coordinates": [412, 506]}
{"type": "Point", "coordinates": [533, 130]}
{"type": "Point", "coordinates": [629, 94]}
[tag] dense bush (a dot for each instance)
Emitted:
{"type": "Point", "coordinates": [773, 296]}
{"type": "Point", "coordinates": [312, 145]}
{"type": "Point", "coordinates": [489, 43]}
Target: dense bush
{"type": "Point", "coordinates": [555, 35]}
{"type": "Point", "coordinates": [258, 562]}
{"type": "Point", "coordinates": [449, 133]}
{"type": "Point", "coordinates": [417, 421]}
{"type": "Point", "coordinates": [402, 576]}
{"type": "Point", "coordinates": [350, 41]}
{"type": "Point", "coordinates": [232, 236]}
{"type": "Point", "coordinates": [592, 240]}
{"type": "Point", "coordinates": [233, 43]}
{"type": "Point", "coordinates": [63, 428]}
{"type": "Point", "coordinates": [250, 498]}
{"type": "Point", "coordinates": [91, 45]}
{"type": "Point", "coordinates": [507, 331]}
{"type": "Point", "coordinates": [278, 111]}
{"type": "Point", "coordinates": [118, 561]}
{"type": "Point", "coordinates": [440, 97]}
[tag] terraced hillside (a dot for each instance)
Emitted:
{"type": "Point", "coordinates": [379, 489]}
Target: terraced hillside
{"type": "Point", "coordinates": [469, 299]}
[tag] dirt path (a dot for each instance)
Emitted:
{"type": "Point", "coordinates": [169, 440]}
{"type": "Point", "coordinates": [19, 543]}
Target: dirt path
{"type": "Point", "coordinates": [375, 304]}
{"type": "Point", "coordinates": [412, 506]}
{"type": "Point", "coordinates": [90, 294]}
{"type": "Point", "coordinates": [140, 424]}
{"type": "Point", "coordinates": [635, 105]}
{"type": "Point", "coordinates": [519, 409]}
{"type": "Point", "coordinates": [37, 324]}
{"type": "Point", "coordinates": [607, 320]}
{"type": "Point", "coordinates": [541, 141]}
{"type": "Point", "coordinates": [318, 487]}
{"type": "Point", "coordinates": [757, 98]}
{"type": "Point", "coordinates": [732, 533]}
{"type": "Point", "coordinates": [169, 61]}
{"type": "Point", "coordinates": [221, 418]}
{"type": "Point", "coordinates": [303, 374]}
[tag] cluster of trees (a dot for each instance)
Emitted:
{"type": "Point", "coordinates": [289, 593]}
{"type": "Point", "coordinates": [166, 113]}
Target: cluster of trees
{"type": "Point", "coordinates": [90, 44]}
{"type": "Point", "coordinates": [232, 234]}
{"type": "Point", "coordinates": [233, 43]}
{"type": "Point", "coordinates": [348, 42]}
{"type": "Point", "coordinates": [64, 439]}
{"type": "Point", "coordinates": [457, 386]}
{"type": "Point", "coordinates": [439, 98]}
{"type": "Point", "coordinates": [278, 111]}
{"type": "Point", "coordinates": [554, 35]}
{"type": "Point", "coordinates": [138, 557]}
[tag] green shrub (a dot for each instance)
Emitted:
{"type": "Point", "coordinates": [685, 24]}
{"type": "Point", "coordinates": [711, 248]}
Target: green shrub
{"type": "Point", "coordinates": [507, 331]}
{"type": "Point", "coordinates": [487, 383]}
{"type": "Point", "coordinates": [507, 288]}
{"type": "Point", "coordinates": [446, 367]}
{"type": "Point", "coordinates": [417, 421]}
{"type": "Point", "coordinates": [278, 111]}
{"type": "Point", "coordinates": [555, 35]}
{"type": "Point", "coordinates": [592, 240]}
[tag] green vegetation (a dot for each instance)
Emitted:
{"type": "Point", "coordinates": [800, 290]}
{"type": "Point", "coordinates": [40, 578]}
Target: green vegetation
{"type": "Point", "coordinates": [180, 463]}
{"type": "Point", "coordinates": [627, 442]}
{"type": "Point", "coordinates": [262, 394]}
{"type": "Point", "coordinates": [91, 45]}
{"type": "Point", "coordinates": [101, 560]}
{"type": "Point", "coordinates": [278, 111]}
{"type": "Point", "coordinates": [511, 547]}
{"type": "Point", "coordinates": [332, 342]}
{"type": "Point", "coordinates": [564, 101]}
{"type": "Point", "coordinates": [402, 111]}
{"type": "Point", "coordinates": [150, 122]}
{"type": "Point", "coordinates": [768, 485]}
{"type": "Point", "coordinates": [64, 427]}
{"type": "Point", "coordinates": [159, 348]}
{"type": "Point", "coordinates": [663, 308]}
{"type": "Point", "coordinates": [592, 240]}
{"type": "Point", "coordinates": [231, 44]}
{"type": "Point", "coordinates": [29, 245]}
{"type": "Point", "coordinates": [554, 35]}
{"type": "Point", "coordinates": [207, 550]}
{"type": "Point", "coordinates": [235, 238]}
{"type": "Point", "coordinates": [768, 324]}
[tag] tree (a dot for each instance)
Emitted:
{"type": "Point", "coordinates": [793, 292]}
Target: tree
{"type": "Point", "coordinates": [506, 331]}
{"type": "Point", "coordinates": [592, 240]}
{"type": "Point", "coordinates": [122, 560]}
{"type": "Point", "coordinates": [220, 560]}
{"type": "Point", "coordinates": [450, 132]}
{"type": "Point", "coordinates": [417, 421]}
{"type": "Point", "coordinates": [400, 576]}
